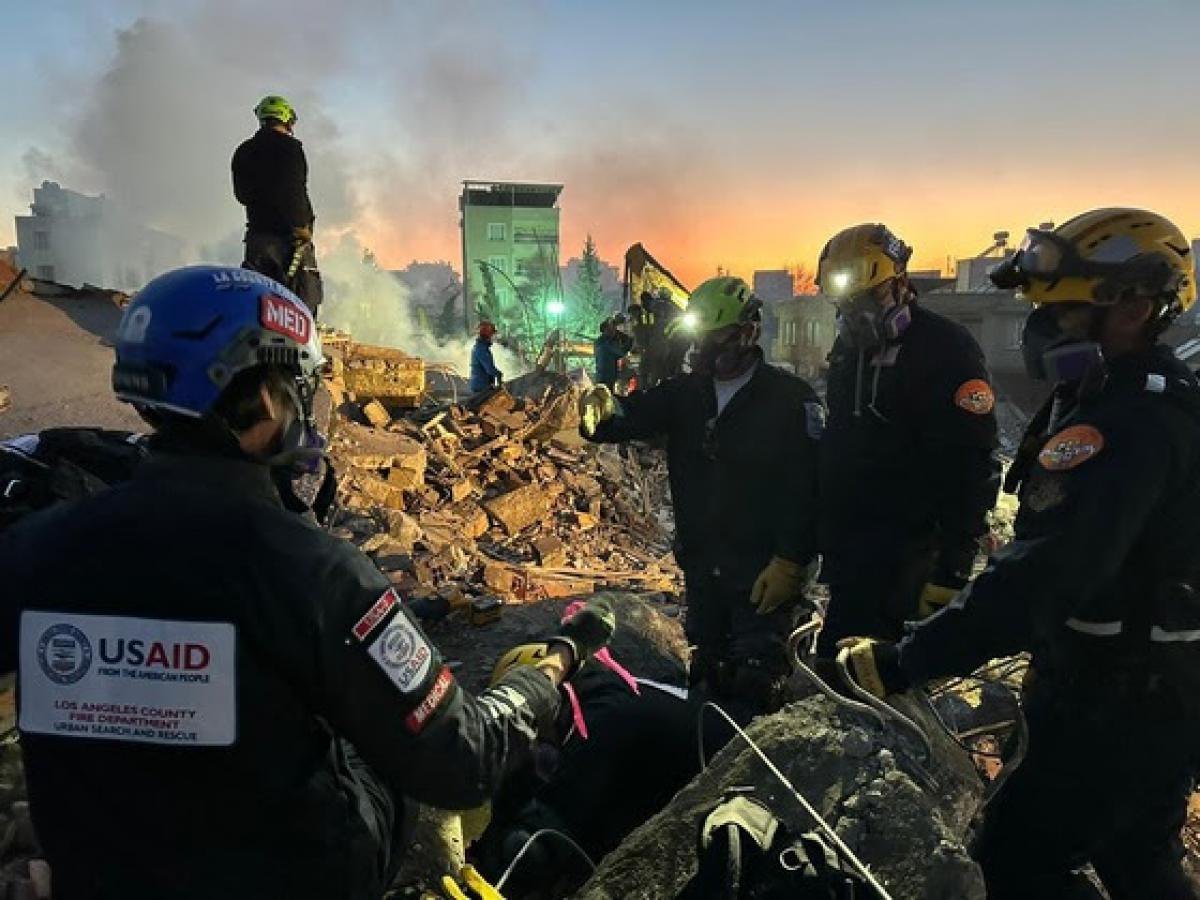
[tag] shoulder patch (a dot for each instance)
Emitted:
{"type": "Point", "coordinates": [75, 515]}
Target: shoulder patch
{"type": "Point", "coordinates": [373, 616]}
{"type": "Point", "coordinates": [403, 654]}
{"type": "Point", "coordinates": [1071, 447]}
{"type": "Point", "coordinates": [814, 419]}
{"type": "Point", "coordinates": [976, 397]}
{"type": "Point", "coordinates": [437, 695]}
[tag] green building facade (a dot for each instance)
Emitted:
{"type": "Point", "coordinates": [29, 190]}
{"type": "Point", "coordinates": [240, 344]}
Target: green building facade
{"type": "Point", "coordinates": [510, 239]}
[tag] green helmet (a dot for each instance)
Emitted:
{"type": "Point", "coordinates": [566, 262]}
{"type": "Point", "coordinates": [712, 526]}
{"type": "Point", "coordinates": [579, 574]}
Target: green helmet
{"type": "Point", "coordinates": [274, 107]}
{"type": "Point", "coordinates": [718, 302]}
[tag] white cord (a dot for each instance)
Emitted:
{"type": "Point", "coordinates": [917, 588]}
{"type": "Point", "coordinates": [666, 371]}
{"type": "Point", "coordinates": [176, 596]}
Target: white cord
{"type": "Point", "coordinates": [529, 843]}
{"type": "Point", "coordinates": [822, 826]}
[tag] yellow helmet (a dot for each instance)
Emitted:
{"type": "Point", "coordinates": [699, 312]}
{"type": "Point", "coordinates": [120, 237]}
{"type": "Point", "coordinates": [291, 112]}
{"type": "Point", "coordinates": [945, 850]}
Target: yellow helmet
{"type": "Point", "coordinates": [521, 655]}
{"type": "Point", "coordinates": [859, 258]}
{"type": "Point", "coordinates": [1100, 256]}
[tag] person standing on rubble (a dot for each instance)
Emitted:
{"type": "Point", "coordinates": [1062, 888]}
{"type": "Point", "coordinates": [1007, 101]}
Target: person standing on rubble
{"type": "Point", "coordinates": [249, 689]}
{"type": "Point", "coordinates": [742, 458]}
{"type": "Point", "coordinates": [610, 349]}
{"type": "Point", "coordinates": [270, 179]}
{"type": "Point", "coordinates": [909, 468]}
{"type": "Point", "coordinates": [1101, 581]}
{"type": "Point", "coordinates": [484, 374]}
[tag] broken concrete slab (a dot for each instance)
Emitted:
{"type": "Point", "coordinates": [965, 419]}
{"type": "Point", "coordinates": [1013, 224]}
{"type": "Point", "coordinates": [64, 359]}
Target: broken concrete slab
{"type": "Point", "coordinates": [376, 414]}
{"type": "Point", "coordinates": [516, 510]}
{"type": "Point", "coordinates": [901, 814]}
{"type": "Point", "coordinates": [549, 551]}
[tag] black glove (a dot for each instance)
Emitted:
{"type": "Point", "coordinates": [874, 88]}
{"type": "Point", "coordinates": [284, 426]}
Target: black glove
{"type": "Point", "coordinates": [875, 665]}
{"type": "Point", "coordinates": [590, 629]}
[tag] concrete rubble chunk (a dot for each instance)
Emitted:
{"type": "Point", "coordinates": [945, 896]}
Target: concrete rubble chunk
{"type": "Point", "coordinates": [549, 551]}
{"type": "Point", "coordinates": [518, 509]}
{"type": "Point", "coordinates": [377, 414]}
{"type": "Point", "coordinates": [404, 530]}
{"type": "Point", "coordinates": [383, 372]}
{"type": "Point", "coordinates": [904, 814]}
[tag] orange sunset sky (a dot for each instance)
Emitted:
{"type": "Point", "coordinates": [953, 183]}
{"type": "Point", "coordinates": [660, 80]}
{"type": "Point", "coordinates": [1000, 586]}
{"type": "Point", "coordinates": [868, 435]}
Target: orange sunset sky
{"type": "Point", "coordinates": [732, 134]}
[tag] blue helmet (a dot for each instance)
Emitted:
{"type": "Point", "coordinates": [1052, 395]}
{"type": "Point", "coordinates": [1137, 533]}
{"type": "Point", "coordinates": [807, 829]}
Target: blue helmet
{"type": "Point", "coordinates": [187, 333]}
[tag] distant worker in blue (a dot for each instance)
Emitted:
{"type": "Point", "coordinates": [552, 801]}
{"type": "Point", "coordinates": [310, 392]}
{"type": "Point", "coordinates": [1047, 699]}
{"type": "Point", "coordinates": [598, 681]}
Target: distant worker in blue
{"type": "Point", "coordinates": [484, 374]}
{"type": "Point", "coordinates": [609, 349]}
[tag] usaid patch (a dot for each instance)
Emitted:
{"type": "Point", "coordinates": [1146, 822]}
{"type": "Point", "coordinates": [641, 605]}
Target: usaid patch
{"type": "Point", "coordinates": [403, 654]}
{"type": "Point", "coordinates": [285, 317]}
{"type": "Point", "coordinates": [119, 678]}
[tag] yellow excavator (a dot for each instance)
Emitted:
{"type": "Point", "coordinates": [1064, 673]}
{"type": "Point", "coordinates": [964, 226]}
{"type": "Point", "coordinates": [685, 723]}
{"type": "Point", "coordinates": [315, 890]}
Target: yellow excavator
{"type": "Point", "coordinates": [652, 298]}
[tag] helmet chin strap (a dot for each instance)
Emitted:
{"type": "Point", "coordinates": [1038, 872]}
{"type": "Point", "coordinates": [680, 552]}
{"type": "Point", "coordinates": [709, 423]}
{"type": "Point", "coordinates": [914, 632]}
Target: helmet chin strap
{"type": "Point", "coordinates": [300, 450]}
{"type": "Point", "coordinates": [300, 447]}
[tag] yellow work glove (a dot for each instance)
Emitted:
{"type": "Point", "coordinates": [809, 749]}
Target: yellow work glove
{"type": "Point", "coordinates": [477, 887]}
{"type": "Point", "coordinates": [781, 581]}
{"type": "Point", "coordinates": [874, 665]}
{"type": "Point", "coordinates": [596, 406]}
{"type": "Point", "coordinates": [933, 598]}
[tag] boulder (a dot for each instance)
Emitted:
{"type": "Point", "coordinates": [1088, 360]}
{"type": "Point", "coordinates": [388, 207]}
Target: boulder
{"type": "Point", "coordinates": [902, 814]}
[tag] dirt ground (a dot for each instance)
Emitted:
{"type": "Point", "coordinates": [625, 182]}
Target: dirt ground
{"type": "Point", "coordinates": [56, 356]}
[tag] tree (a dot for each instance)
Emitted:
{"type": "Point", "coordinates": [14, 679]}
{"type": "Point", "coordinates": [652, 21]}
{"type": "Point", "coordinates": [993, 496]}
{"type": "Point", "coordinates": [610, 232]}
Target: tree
{"type": "Point", "coordinates": [487, 306]}
{"type": "Point", "coordinates": [448, 322]}
{"type": "Point", "coordinates": [591, 306]}
{"type": "Point", "coordinates": [804, 282]}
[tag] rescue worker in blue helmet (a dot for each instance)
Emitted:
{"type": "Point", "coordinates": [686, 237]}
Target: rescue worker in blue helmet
{"type": "Point", "coordinates": [1101, 582]}
{"type": "Point", "coordinates": [245, 692]}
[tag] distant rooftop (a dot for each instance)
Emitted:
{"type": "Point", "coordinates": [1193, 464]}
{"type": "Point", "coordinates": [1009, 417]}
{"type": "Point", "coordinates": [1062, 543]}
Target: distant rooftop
{"type": "Point", "coordinates": [510, 193]}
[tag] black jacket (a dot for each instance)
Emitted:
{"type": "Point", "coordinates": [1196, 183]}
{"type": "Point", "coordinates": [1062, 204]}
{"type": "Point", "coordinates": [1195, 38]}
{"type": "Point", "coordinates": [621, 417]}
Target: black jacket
{"type": "Point", "coordinates": [270, 179]}
{"type": "Point", "coordinates": [310, 645]}
{"type": "Point", "coordinates": [908, 463]}
{"type": "Point", "coordinates": [1101, 575]}
{"type": "Point", "coordinates": [743, 484]}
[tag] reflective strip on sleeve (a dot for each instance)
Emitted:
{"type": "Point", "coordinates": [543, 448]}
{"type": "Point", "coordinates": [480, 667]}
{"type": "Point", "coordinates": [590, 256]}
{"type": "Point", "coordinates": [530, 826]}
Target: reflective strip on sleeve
{"type": "Point", "coordinates": [1096, 629]}
{"type": "Point", "coordinates": [1160, 635]}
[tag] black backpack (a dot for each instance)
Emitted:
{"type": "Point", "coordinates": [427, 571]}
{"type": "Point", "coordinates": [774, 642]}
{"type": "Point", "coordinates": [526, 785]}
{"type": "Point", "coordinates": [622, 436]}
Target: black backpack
{"type": "Point", "coordinates": [746, 854]}
{"type": "Point", "coordinates": [40, 469]}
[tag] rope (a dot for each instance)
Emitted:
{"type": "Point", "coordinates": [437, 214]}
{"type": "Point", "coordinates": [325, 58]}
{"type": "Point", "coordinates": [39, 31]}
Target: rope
{"type": "Point", "coordinates": [821, 824]}
{"type": "Point", "coordinates": [542, 832]}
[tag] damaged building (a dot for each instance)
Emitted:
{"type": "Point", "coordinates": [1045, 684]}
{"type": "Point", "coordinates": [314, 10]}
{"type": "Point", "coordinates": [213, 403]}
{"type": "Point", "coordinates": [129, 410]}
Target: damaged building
{"type": "Point", "coordinates": [76, 239]}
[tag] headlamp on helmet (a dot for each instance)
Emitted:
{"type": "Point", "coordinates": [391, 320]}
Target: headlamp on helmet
{"type": "Point", "coordinates": [860, 258]}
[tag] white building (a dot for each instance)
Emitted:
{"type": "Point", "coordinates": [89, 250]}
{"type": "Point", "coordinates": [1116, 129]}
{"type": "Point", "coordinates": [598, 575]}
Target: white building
{"type": "Point", "coordinates": [75, 239]}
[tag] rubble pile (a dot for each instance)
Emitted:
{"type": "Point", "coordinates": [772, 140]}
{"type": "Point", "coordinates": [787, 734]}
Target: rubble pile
{"type": "Point", "coordinates": [497, 497]}
{"type": "Point", "coordinates": [379, 373]}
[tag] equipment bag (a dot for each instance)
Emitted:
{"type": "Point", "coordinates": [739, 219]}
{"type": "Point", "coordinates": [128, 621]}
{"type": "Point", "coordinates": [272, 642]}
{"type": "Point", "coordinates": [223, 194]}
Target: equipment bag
{"type": "Point", "coordinates": [38, 470]}
{"type": "Point", "coordinates": [746, 854]}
